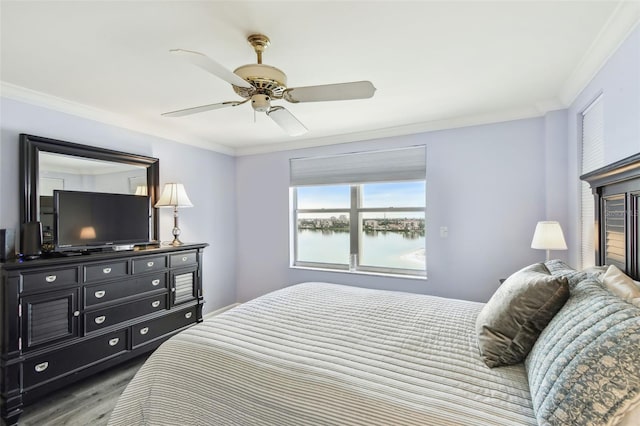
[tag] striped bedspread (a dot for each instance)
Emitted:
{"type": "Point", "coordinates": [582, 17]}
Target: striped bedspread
{"type": "Point", "coordinates": [326, 354]}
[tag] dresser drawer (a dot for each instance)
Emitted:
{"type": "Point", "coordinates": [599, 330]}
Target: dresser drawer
{"type": "Point", "coordinates": [107, 292]}
{"type": "Point", "coordinates": [148, 264]}
{"type": "Point", "coordinates": [183, 259]}
{"type": "Point", "coordinates": [105, 271]}
{"type": "Point", "coordinates": [49, 366]}
{"type": "Point", "coordinates": [49, 279]}
{"type": "Point", "coordinates": [103, 318]}
{"type": "Point", "coordinates": [150, 330]}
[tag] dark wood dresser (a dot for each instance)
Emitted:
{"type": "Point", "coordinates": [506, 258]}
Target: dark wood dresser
{"type": "Point", "coordinates": [66, 318]}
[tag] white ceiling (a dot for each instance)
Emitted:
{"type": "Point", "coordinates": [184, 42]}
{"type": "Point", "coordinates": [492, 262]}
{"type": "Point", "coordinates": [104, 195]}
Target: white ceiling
{"type": "Point", "coordinates": [434, 64]}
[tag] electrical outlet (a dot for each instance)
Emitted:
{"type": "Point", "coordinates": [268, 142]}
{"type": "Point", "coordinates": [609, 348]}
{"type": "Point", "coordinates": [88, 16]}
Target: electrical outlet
{"type": "Point", "coordinates": [444, 232]}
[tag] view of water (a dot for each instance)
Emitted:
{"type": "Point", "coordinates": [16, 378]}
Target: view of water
{"type": "Point", "coordinates": [385, 249]}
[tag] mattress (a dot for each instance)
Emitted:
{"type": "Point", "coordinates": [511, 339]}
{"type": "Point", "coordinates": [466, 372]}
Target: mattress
{"type": "Point", "coordinates": [326, 354]}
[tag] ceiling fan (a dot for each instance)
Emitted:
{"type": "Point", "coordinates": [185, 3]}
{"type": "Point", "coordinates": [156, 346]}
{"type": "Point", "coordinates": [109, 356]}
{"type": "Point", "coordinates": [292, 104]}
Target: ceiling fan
{"type": "Point", "coordinates": [260, 84]}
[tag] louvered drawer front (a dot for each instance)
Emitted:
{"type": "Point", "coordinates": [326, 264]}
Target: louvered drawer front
{"type": "Point", "coordinates": [45, 367]}
{"type": "Point", "coordinates": [49, 317]}
{"type": "Point", "coordinates": [103, 293]}
{"type": "Point", "coordinates": [184, 287]}
{"type": "Point", "coordinates": [153, 329]}
{"type": "Point", "coordinates": [183, 259]}
{"type": "Point", "coordinates": [149, 264]}
{"type": "Point", "coordinates": [103, 318]}
{"type": "Point", "coordinates": [50, 279]}
{"type": "Point", "coordinates": [105, 271]}
{"type": "Point", "coordinates": [49, 320]}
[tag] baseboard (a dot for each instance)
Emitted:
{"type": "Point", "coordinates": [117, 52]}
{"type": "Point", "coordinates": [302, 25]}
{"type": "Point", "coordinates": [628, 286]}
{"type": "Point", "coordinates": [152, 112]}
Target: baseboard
{"type": "Point", "coordinates": [219, 311]}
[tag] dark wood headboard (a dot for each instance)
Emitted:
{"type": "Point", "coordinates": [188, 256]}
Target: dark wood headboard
{"type": "Point", "coordinates": [616, 189]}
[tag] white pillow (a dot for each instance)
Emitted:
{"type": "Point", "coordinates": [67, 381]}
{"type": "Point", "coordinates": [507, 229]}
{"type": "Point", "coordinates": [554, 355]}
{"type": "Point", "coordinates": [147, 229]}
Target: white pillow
{"type": "Point", "coordinates": [618, 283]}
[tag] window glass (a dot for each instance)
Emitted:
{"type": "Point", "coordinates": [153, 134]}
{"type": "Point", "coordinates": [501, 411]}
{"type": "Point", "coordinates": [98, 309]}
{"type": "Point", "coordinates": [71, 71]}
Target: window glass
{"type": "Point", "coordinates": [324, 197]}
{"type": "Point", "coordinates": [394, 194]}
{"type": "Point", "coordinates": [388, 235]}
{"type": "Point", "coordinates": [323, 238]}
{"type": "Point", "coordinates": [393, 240]}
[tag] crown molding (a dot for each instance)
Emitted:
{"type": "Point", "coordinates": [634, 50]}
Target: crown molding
{"type": "Point", "coordinates": [411, 129]}
{"type": "Point", "coordinates": [622, 22]}
{"type": "Point", "coordinates": [33, 97]}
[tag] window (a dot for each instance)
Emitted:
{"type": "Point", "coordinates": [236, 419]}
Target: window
{"type": "Point", "coordinates": [370, 222]}
{"type": "Point", "coordinates": [592, 159]}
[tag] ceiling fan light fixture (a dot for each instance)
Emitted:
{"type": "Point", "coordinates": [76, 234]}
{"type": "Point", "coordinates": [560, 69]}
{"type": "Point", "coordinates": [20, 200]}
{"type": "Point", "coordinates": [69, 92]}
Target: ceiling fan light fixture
{"type": "Point", "coordinates": [261, 102]}
{"type": "Point", "coordinates": [287, 121]}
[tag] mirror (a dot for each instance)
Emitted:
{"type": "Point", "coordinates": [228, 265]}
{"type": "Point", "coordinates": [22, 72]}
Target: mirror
{"type": "Point", "coordinates": [48, 164]}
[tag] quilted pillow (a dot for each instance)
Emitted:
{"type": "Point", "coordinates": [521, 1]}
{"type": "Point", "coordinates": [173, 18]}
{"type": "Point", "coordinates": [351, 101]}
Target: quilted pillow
{"type": "Point", "coordinates": [584, 369]}
{"type": "Point", "coordinates": [511, 321]}
{"type": "Point", "coordinates": [558, 268]}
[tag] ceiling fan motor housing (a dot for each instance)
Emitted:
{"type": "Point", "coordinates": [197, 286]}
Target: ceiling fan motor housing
{"type": "Point", "coordinates": [264, 79]}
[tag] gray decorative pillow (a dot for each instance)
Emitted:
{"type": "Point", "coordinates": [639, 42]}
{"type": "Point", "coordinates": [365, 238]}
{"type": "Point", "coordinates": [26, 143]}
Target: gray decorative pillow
{"type": "Point", "coordinates": [585, 367]}
{"type": "Point", "coordinates": [520, 309]}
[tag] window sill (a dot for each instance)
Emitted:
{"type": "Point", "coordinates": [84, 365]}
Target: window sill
{"type": "Point", "coordinates": [377, 274]}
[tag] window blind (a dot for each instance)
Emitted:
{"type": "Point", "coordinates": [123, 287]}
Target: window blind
{"type": "Point", "coordinates": [360, 167]}
{"type": "Point", "coordinates": [592, 159]}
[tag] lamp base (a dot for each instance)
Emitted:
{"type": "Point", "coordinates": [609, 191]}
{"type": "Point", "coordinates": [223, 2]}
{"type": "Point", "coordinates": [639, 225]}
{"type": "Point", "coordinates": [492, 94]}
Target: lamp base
{"type": "Point", "coordinates": [176, 242]}
{"type": "Point", "coordinates": [176, 229]}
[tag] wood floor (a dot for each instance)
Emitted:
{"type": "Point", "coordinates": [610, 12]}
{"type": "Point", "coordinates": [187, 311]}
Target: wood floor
{"type": "Point", "coordinates": [88, 402]}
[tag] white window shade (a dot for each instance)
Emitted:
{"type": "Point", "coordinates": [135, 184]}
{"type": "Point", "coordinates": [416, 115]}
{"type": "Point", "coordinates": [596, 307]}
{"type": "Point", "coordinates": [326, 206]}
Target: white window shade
{"type": "Point", "coordinates": [361, 167]}
{"type": "Point", "coordinates": [592, 159]}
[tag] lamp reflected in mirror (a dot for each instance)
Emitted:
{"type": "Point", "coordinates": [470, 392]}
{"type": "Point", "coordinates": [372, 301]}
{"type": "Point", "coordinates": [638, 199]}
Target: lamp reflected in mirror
{"type": "Point", "coordinates": [142, 190]}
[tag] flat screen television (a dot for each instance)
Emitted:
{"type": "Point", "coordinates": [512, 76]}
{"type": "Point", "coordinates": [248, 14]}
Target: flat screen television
{"type": "Point", "coordinates": [92, 220]}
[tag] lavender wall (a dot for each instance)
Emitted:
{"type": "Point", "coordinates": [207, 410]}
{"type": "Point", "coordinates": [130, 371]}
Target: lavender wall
{"type": "Point", "coordinates": [619, 83]}
{"type": "Point", "coordinates": [487, 184]}
{"type": "Point", "coordinates": [209, 179]}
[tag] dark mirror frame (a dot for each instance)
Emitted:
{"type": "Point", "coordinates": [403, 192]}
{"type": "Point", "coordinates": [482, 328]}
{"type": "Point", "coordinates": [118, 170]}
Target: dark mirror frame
{"type": "Point", "coordinates": [31, 146]}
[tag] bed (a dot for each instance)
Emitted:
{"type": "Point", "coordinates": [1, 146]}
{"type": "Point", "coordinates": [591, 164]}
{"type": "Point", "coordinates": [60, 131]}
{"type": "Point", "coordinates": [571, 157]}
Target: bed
{"type": "Point", "coordinates": [326, 354]}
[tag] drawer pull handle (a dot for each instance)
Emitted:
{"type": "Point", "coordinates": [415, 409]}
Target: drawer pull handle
{"type": "Point", "coordinates": [100, 319]}
{"type": "Point", "coordinates": [41, 367]}
{"type": "Point", "coordinates": [184, 258]}
{"type": "Point", "coordinates": [114, 341]}
{"type": "Point", "coordinates": [144, 330]}
{"type": "Point", "coordinates": [155, 303]}
{"type": "Point", "coordinates": [187, 315]}
{"type": "Point", "coordinates": [106, 270]}
{"type": "Point", "coordinates": [155, 282]}
{"type": "Point", "coordinates": [50, 278]}
{"type": "Point", "coordinates": [100, 294]}
{"type": "Point", "coordinates": [149, 264]}
{"type": "Point", "coordinates": [76, 314]}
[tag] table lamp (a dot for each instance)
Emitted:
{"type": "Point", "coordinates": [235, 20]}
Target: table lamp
{"type": "Point", "coordinates": [174, 195]}
{"type": "Point", "coordinates": [548, 236]}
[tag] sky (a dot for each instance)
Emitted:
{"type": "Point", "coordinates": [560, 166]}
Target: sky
{"type": "Point", "coordinates": [396, 194]}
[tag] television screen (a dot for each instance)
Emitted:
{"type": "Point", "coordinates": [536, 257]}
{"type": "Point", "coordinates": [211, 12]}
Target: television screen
{"type": "Point", "coordinates": [93, 219]}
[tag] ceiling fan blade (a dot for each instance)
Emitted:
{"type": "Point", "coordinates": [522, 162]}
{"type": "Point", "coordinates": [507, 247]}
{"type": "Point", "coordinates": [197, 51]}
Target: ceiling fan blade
{"type": "Point", "coordinates": [330, 92]}
{"type": "Point", "coordinates": [208, 64]}
{"type": "Point", "coordinates": [203, 108]}
{"type": "Point", "coordinates": [287, 121]}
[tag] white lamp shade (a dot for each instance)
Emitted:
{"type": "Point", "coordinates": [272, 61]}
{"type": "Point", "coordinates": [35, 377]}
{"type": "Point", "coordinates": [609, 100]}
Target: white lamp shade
{"type": "Point", "coordinates": [548, 236]}
{"type": "Point", "coordinates": [173, 195]}
{"type": "Point", "coordinates": [141, 190]}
